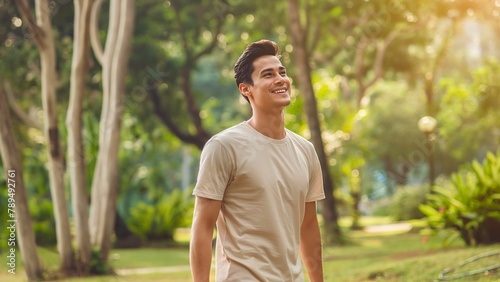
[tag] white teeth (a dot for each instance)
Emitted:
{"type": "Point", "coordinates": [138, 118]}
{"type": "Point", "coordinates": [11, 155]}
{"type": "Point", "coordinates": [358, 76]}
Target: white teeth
{"type": "Point", "coordinates": [280, 91]}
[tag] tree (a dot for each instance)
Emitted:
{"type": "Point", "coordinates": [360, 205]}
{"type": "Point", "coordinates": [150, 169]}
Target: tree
{"type": "Point", "coordinates": [299, 35]}
{"type": "Point", "coordinates": [190, 36]}
{"type": "Point", "coordinates": [114, 69]}
{"type": "Point", "coordinates": [114, 61]}
{"type": "Point", "coordinates": [364, 32]}
{"type": "Point", "coordinates": [76, 162]}
{"type": "Point", "coordinates": [41, 29]}
{"type": "Point", "coordinates": [12, 163]}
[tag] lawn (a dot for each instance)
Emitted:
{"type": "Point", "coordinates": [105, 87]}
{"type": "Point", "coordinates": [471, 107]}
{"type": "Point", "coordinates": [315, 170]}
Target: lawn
{"type": "Point", "coordinates": [369, 256]}
{"type": "Point", "coordinates": [401, 257]}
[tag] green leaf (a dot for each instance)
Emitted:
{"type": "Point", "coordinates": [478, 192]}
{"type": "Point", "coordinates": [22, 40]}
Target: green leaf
{"type": "Point", "coordinates": [443, 191]}
{"type": "Point", "coordinates": [495, 196]}
{"type": "Point", "coordinates": [428, 210]}
{"type": "Point", "coordinates": [470, 215]}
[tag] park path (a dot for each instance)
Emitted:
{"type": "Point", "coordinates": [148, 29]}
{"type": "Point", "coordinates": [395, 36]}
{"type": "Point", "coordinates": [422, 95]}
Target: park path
{"type": "Point", "coordinates": [390, 227]}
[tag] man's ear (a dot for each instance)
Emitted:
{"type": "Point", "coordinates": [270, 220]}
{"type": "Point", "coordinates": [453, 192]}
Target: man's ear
{"type": "Point", "coordinates": [244, 88]}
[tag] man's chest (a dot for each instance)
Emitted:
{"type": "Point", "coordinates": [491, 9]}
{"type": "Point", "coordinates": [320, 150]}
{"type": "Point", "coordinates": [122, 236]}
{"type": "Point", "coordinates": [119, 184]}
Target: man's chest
{"type": "Point", "coordinates": [282, 172]}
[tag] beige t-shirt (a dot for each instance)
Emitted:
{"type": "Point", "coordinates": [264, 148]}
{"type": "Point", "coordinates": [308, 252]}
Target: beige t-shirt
{"type": "Point", "coordinates": [263, 184]}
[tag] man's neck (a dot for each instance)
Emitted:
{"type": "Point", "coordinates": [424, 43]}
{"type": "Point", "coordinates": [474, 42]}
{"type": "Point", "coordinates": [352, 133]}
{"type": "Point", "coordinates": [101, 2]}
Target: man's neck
{"type": "Point", "coordinates": [271, 125]}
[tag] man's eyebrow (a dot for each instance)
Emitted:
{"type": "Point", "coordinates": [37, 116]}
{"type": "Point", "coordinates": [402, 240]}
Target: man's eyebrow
{"type": "Point", "coordinates": [270, 69]}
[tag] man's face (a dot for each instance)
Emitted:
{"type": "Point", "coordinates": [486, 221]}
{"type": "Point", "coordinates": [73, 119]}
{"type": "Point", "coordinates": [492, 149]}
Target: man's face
{"type": "Point", "coordinates": [271, 86]}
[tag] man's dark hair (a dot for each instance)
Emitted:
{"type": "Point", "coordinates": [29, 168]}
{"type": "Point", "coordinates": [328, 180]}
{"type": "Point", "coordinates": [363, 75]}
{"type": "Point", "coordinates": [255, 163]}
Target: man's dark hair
{"type": "Point", "coordinates": [244, 65]}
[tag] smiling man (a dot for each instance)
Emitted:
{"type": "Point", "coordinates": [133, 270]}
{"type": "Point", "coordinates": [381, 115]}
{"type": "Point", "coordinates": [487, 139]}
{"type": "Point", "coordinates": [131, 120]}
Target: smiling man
{"type": "Point", "coordinates": [259, 183]}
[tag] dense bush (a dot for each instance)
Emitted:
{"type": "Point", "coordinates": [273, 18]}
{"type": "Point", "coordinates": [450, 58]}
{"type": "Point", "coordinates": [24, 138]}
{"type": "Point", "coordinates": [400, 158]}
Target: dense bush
{"type": "Point", "coordinates": [382, 207]}
{"type": "Point", "coordinates": [43, 221]}
{"type": "Point", "coordinates": [471, 205]}
{"type": "Point", "coordinates": [157, 220]}
{"type": "Point", "coordinates": [4, 232]}
{"type": "Point", "coordinates": [406, 202]}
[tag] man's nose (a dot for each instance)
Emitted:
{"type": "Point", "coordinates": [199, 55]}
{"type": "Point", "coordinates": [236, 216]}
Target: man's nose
{"type": "Point", "coordinates": [280, 80]}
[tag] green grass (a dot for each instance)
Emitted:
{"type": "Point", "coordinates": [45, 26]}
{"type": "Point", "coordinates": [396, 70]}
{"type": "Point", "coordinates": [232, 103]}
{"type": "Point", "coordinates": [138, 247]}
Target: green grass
{"type": "Point", "coordinates": [391, 256]}
{"type": "Point", "coordinates": [400, 257]}
{"type": "Point", "coordinates": [137, 258]}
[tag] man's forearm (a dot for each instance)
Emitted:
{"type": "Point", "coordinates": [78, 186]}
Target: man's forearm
{"type": "Point", "coordinates": [311, 248]}
{"type": "Point", "coordinates": [310, 244]}
{"type": "Point", "coordinates": [200, 253]}
{"type": "Point", "coordinates": [311, 252]}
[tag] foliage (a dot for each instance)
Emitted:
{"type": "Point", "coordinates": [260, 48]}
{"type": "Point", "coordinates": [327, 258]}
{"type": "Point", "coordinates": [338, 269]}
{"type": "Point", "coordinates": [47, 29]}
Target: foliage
{"type": "Point", "coordinates": [4, 232]}
{"type": "Point", "coordinates": [389, 124]}
{"type": "Point", "coordinates": [406, 202]}
{"type": "Point", "coordinates": [471, 205]}
{"type": "Point", "coordinates": [383, 134]}
{"type": "Point", "coordinates": [36, 183]}
{"type": "Point", "coordinates": [161, 216]}
{"type": "Point", "coordinates": [41, 210]}
{"type": "Point", "coordinates": [97, 264]}
{"type": "Point", "coordinates": [382, 207]}
{"type": "Point", "coordinates": [467, 123]}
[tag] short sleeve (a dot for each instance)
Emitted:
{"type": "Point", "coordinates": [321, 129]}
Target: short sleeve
{"type": "Point", "coordinates": [215, 171]}
{"type": "Point", "coordinates": [315, 192]}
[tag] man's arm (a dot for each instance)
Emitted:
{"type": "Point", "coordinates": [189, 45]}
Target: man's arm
{"type": "Point", "coordinates": [205, 216]}
{"type": "Point", "coordinates": [310, 244]}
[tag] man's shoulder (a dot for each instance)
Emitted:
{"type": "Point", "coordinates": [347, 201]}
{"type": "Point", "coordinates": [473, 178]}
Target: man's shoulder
{"type": "Point", "coordinates": [298, 138]}
{"type": "Point", "coordinates": [230, 135]}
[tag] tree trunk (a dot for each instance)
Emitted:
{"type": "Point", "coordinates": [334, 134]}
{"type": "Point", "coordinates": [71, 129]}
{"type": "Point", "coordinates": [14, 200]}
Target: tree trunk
{"type": "Point", "coordinates": [42, 34]}
{"type": "Point", "coordinates": [12, 163]}
{"type": "Point", "coordinates": [76, 161]}
{"type": "Point", "coordinates": [106, 177]}
{"type": "Point", "coordinates": [330, 215]}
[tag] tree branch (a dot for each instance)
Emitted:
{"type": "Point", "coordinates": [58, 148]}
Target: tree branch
{"type": "Point", "coordinates": [182, 32]}
{"type": "Point", "coordinates": [190, 61]}
{"type": "Point", "coordinates": [193, 109]}
{"type": "Point", "coordinates": [27, 16]}
{"type": "Point", "coordinates": [94, 31]}
{"type": "Point", "coordinates": [381, 49]}
{"type": "Point", "coordinates": [359, 59]}
{"type": "Point", "coordinates": [16, 108]}
{"type": "Point", "coordinates": [213, 43]}
{"type": "Point", "coordinates": [169, 123]}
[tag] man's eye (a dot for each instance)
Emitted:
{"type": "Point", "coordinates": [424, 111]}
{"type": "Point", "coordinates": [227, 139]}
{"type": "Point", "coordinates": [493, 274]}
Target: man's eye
{"type": "Point", "coordinates": [283, 73]}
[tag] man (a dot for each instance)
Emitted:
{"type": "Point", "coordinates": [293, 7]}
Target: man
{"type": "Point", "coordinates": [259, 183]}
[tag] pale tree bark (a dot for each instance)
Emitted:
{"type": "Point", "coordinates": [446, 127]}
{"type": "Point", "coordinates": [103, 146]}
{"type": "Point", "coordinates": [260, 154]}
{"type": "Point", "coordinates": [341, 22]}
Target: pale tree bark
{"type": "Point", "coordinates": [94, 31]}
{"type": "Point", "coordinates": [11, 160]}
{"type": "Point", "coordinates": [330, 214]}
{"type": "Point", "coordinates": [76, 160]}
{"type": "Point", "coordinates": [106, 178]}
{"type": "Point", "coordinates": [42, 34]}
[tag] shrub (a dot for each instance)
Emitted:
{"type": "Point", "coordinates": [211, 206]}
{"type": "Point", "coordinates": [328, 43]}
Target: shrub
{"type": "Point", "coordinates": [471, 205]}
{"type": "Point", "coordinates": [158, 219]}
{"type": "Point", "coordinates": [406, 202]}
{"type": "Point", "coordinates": [98, 266]}
{"type": "Point", "coordinates": [42, 218]}
{"type": "Point", "coordinates": [382, 207]}
{"type": "Point", "coordinates": [4, 232]}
